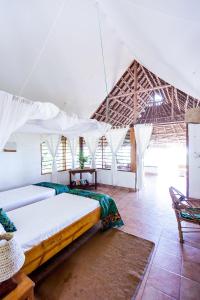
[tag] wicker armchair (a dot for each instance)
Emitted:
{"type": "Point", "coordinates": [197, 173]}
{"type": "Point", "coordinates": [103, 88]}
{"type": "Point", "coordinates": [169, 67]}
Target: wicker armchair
{"type": "Point", "coordinates": [186, 209]}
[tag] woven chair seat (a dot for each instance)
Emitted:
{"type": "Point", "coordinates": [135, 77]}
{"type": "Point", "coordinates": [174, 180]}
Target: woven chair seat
{"type": "Point", "coordinates": [192, 214]}
{"type": "Point", "coordinates": [186, 209]}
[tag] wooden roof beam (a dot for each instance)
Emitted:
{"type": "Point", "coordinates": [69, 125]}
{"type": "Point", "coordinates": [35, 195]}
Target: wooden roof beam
{"type": "Point", "coordinates": [125, 104]}
{"type": "Point", "coordinates": [110, 119]}
{"type": "Point", "coordinates": [154, 88]}
{"type": "Point", "coordinates": [176, 98]}
{"type": "Point", "coordinates": [117, 113]}
{"type": "Point", "coordinates": [140, 91]}
{"type": "Point", "coordinates": [172, 107]}
{"type": "Point", "coordinates": [186, 102]}
{"type": "Point", "coordinates": [164, 92]}
{"type": "Point", "coordinates": [135, 94]}
{"type": "Point", "coordinates": [146, 76]}
{"type": "Point", "coordinates": [155, 80]}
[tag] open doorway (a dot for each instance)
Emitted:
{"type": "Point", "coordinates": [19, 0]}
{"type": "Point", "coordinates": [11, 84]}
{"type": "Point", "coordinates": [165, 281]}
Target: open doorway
{"type": "Point", "coordinates": [166, 156]}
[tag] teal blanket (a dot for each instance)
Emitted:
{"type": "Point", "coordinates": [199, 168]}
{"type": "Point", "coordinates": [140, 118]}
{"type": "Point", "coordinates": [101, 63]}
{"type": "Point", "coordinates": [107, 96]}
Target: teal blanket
{"type": "Point", "coordinates": [59, 188]}
{"type": "Point", "coordinates": [109, 213]}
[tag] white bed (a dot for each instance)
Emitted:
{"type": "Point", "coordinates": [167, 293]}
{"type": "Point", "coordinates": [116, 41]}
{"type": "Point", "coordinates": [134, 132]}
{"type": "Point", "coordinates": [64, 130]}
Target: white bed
{"type": "Point", "coordinates": [22, 196]}
{"type": "Point", "coordinates": [39, 221]}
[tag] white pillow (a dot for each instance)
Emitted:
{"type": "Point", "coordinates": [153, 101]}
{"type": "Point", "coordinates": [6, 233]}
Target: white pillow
{"type": "Point", "coordinates": [2, 230]}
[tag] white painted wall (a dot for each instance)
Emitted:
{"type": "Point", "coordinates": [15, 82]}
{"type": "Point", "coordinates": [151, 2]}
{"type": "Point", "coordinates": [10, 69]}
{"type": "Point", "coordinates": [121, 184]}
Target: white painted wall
{"type": "Point", "coordinates": [24, 166]}
{"type": "Point", "coordinates": [151, 170]}
{"type": "Point", "coordinates": [124, 179]}
{"type": "Point", "coordinates": [194, 160]}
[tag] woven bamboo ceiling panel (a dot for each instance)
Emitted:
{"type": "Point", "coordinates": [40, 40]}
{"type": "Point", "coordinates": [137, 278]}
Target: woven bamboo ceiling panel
{"type": "Point", "coordinates": [169, 133]}
{"type": "Point", "coordinates": [142, 97]}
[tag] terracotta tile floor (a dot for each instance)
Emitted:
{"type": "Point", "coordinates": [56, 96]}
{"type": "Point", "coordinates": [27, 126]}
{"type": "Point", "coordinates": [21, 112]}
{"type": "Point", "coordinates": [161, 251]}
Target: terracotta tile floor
{"type": "Point", "coordinates": [174, 271]}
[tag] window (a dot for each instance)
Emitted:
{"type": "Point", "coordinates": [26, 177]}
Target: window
{"type": "Point", "coordinates": [86, 153]}
{"type": "Point", "coordinates": [60, 158]}
{"type": "Point", "coordinates": [124, 155]}
{"type": "Point", "coordinates": [103, 155]}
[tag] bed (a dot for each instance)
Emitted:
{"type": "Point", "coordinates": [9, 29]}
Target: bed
{"type": "Point", "coordinates": [22, 196]}
{"type": "Point", "coordinates": [46, 227]}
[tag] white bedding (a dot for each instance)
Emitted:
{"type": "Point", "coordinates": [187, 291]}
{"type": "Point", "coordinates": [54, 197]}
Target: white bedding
{"type": "Point", "coordinates": [39, 221]}
{"type": "Point", "coordinates": [19, 197]}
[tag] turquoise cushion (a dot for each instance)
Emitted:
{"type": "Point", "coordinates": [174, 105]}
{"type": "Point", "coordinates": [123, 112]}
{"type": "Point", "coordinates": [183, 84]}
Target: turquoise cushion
{"type": "Point", "coordinates": [7, 224]}
{"type": "Point", "coordinates": [194, 211]}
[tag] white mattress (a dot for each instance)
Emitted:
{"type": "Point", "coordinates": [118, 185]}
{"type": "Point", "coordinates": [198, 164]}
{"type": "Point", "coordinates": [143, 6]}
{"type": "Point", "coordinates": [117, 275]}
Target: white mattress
{"type": "Point", "coordinates": [18, 197]}
{"type": "Point", "coordinates": [39, 221]}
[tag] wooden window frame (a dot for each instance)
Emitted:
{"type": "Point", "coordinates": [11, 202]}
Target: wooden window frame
{"type": "Point", "coordinates": [132, 154]}
{"type": "Point", "coordinates": [64, 158]}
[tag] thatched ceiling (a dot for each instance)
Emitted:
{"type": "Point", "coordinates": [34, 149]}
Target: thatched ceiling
{"type": "Point", "coordinates": [169, 133]}
{"type": "Point", "coordinates": [142, 97]}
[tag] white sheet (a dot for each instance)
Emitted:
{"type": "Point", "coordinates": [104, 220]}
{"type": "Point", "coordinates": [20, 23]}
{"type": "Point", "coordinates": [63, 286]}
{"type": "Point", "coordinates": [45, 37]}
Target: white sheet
{"type": "Point", "coordinates": [19, 197]}
{"type": "Point", "coordinates": [2, 230]}
{"type": "Point", "coordinates": [39, 221]}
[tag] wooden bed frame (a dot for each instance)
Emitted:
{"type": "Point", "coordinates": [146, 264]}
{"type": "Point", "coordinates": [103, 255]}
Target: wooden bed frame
{"type": "Point", "coordinates": [39, 254]}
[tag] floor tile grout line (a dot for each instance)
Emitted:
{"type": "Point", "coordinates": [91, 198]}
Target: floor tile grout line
{"type": "Point", "coordinates": [142, 206]}
{"type": "Point", "coordinates": [151, 263]}
{"type": "Point", "coordinates": [165, 293]}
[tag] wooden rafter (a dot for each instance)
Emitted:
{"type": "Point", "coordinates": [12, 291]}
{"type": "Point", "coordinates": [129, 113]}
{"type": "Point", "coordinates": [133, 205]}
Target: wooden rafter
{"type": "Point", "coordinates": [132, 100]}
{"type": "Point", "coordinates": [135, 112]}
{"type": "Point", "coordinates": [154, 88]}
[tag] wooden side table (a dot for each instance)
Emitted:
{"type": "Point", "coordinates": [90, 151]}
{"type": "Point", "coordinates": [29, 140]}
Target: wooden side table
{"type": "Point", "coordinates": [24, 289]}
{"type": "Point", "coordinates": [81, 171]}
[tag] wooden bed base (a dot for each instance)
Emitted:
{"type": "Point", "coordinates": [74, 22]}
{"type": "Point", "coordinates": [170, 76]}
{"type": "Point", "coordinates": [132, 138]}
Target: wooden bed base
{"type": "Point", "coordinates": [39, 254]}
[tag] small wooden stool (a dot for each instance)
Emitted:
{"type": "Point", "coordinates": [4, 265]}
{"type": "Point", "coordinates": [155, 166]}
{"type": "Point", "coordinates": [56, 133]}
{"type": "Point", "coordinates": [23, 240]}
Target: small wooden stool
{"type": "Point", "coordinates": [24, 289]}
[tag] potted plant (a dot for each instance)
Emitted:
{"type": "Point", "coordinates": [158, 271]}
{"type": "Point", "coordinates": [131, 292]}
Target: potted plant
{"type": "Point", "coordinates": [82, 159]}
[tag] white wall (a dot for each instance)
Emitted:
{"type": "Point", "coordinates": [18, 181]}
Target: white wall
{"type": "Point", "coordinates": [24, 166]}
{"type": "Point", "coordinates": [124, 179]}
{"type": "Point", "coordinates": [194, 160]}
{"type": "Point", "coordinates": [151, 170]}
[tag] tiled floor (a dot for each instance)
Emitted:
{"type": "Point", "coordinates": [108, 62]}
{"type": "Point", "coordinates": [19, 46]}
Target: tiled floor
{"type": "Point", "coordinates": [174, 271]}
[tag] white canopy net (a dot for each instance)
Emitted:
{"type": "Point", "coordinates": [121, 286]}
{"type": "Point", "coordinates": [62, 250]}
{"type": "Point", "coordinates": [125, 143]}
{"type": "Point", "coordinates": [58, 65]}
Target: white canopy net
{"type": "Point", "coordinates": [16, 111]}
{"type": "Point", "coordinates": [25, 116]}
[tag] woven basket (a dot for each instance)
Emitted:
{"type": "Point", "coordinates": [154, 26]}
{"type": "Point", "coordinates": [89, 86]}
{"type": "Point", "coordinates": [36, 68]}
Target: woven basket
{"type": "Point", "coordinates": [11, 256]}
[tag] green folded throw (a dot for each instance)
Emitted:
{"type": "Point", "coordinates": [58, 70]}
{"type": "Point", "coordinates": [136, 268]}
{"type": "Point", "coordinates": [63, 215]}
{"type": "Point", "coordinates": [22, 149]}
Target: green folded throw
{"type": "Point", "coordinates": [7, 224]}
{"type": "Point", "coordinates": [59, 188]}
{"type": "Point", "coordinates": [109, 213]}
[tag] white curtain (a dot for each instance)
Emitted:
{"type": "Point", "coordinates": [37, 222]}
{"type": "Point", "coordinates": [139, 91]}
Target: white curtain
{"type": "Point", "coordinates": [16, 111]}
{"type": "Point", "coordinates": [73, 144]}
{"type": "Point", "coordinates": [142, 135]}
{"type": "Point", "coordinates": [53, 142]}
{"type": "Point", "coordinates": [92, 144]}
{"type": "Point", "coordinates": [115, 138]}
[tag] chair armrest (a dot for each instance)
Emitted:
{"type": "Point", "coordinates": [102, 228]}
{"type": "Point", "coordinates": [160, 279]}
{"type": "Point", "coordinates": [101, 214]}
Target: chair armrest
{"type": "Point", "coordinates": [195, 203]}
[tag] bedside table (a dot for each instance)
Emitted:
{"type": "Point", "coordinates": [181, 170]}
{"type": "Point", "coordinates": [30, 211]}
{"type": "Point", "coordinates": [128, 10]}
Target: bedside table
{"type": "Point", "coordinates": [24, 289]}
